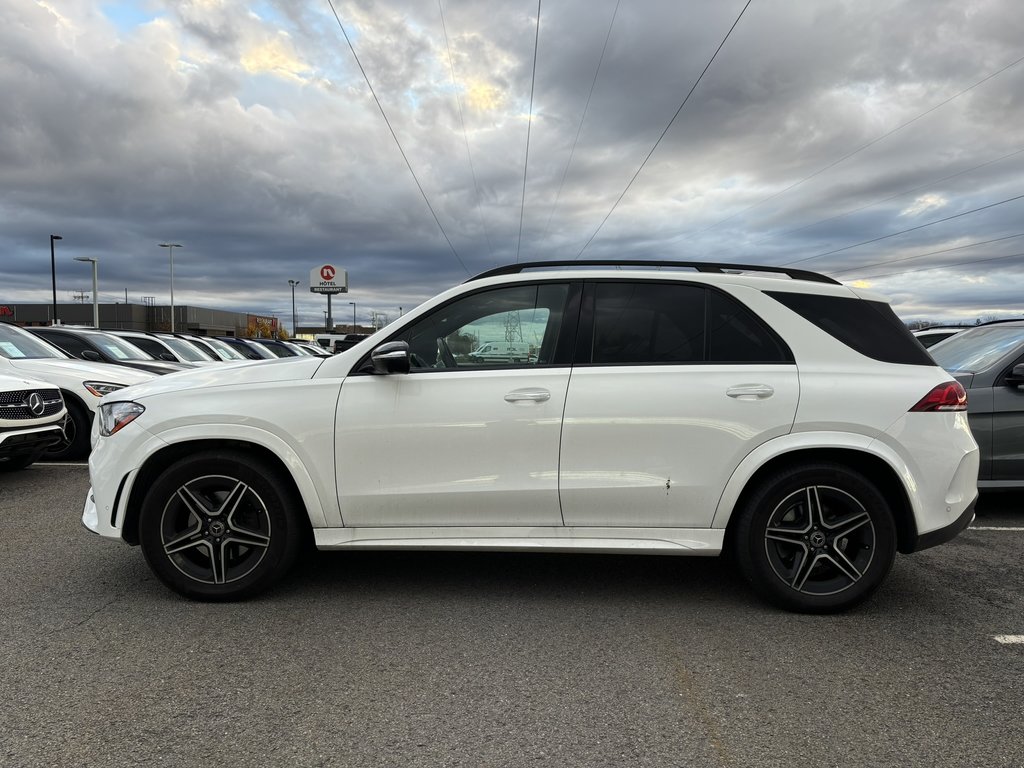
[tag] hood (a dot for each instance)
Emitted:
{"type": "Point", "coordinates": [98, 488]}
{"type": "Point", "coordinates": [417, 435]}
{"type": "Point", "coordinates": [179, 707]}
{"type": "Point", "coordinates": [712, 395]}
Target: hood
{"type": "Point", "coordinates": [81, 370]}
{"type": "Point", "coordinates": [224, 375]}
{"type": "Point", "coordinates": [160, 367]}
{"type": "Point", "coordinates": [15, 383]}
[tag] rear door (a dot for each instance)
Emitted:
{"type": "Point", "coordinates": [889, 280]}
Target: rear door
{"type": "Point", "coordinates": [674, 383]}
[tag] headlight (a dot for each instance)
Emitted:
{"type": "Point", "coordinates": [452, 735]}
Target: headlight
{"type": "Point", "coordinates": [113, 416]}
{"type": "Point", "coordinates": [101, 388]}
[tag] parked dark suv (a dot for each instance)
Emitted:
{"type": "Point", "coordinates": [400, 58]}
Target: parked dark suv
{"type": "Point", "coordinates": [100, 347]}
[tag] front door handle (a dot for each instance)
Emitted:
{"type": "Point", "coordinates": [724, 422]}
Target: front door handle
{"type": "Point", "coordinates": [750, 391]}
{"type": "Point", "coordinates": [527, 395]}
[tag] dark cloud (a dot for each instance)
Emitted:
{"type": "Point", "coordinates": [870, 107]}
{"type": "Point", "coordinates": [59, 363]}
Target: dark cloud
{"type": "Point", "coordinates": [251, 137]}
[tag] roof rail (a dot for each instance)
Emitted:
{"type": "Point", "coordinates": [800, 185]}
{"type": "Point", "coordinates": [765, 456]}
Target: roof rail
{"type": "Point", "coordinates": [699, 266]}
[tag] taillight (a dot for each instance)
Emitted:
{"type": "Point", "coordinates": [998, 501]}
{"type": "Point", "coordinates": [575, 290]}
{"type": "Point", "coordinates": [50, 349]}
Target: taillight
{"type": "Point", "coordinates": [948, 396]}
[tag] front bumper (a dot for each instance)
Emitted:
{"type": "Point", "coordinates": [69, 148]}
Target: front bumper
{"type": "Point", "coordinates": [21, 442]}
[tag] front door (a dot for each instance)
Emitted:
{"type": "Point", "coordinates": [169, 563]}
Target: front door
{"type": "Point", "coordinates": [462, 440]}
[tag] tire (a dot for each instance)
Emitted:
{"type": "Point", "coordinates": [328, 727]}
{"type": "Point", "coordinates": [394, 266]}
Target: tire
{"type": "Point", "coordinates": [76, 434]}
{"type": "Point", "coordinates": [19, 462]}
{"type": "Point", "coordinates": [815, 539]}
{"type": "Point", "coordinates": [220, 526]}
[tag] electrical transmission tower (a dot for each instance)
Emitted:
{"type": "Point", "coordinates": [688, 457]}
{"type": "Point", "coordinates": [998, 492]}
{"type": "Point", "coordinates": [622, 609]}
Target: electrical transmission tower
{"type": "Point", "coordinates": [513, 328]}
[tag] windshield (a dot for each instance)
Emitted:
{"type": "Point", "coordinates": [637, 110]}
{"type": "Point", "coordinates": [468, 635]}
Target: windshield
{"type": "Point", "coordinates": [117, 348]}
{"type": "Point", "coordinates": [185, 350]}
{"type": "Point", "coordinates": [978, 349]}
{"type": "Point", "coordinates": [16, 343]}
{"type": "Point", "coordinates": [226, 352]}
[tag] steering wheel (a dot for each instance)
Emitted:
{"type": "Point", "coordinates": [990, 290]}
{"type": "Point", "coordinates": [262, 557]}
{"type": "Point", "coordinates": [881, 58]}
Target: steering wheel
{"type": "Point", "coordinates": [445, 353]}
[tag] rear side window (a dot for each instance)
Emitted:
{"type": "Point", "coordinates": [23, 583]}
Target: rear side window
{"type": "Point", "coordinates": [868, 327]}
{"type": "Point", "coordinates": [637, 323]}
{"type": "Point", "coordinates": [672, 323]}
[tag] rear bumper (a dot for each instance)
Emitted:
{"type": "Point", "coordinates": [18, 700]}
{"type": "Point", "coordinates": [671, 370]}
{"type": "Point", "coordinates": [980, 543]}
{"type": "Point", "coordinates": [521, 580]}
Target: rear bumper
{"type": "Point", "coordinates": [946, 533]}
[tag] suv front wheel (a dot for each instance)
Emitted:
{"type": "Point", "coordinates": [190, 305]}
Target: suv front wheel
{"type": "Point", "coordinates": [219, 526]}
{"type": "Point", "coordinates": [815, 539]}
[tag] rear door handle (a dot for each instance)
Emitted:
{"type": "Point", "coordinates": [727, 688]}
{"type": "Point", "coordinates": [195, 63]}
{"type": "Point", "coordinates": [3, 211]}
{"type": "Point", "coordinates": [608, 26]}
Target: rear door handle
{"type": "Point", "coordinates": [527, 395]}
{"type": "Point", "coordinates": [750, 391]}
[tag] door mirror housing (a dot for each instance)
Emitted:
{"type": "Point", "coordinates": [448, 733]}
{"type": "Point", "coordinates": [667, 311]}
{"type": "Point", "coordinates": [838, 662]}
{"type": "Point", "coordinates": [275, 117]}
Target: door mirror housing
{"type": "Point", "coordinates": [1016, 377]}
{"type": "Point", "coordinates": [168, 357]}
{"type": "Point", "coordinates": [392, 357]}
{"type": "Point", "coordinates": [89, 354]}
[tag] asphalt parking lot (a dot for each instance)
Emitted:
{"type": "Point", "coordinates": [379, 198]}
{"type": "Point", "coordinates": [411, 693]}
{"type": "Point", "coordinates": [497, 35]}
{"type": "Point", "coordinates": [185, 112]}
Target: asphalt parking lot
{"type": "Point", "coordinates": [440, 659]}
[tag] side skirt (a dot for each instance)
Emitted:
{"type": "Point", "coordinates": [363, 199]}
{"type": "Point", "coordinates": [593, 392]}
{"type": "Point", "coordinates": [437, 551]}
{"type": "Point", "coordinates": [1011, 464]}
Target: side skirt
{"type": "Point", "coordinates": [661, 541]}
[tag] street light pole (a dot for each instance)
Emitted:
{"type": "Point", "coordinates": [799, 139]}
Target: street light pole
{"type": "Point", "coordinates": [95, 282]}
{"type": "Point", "coordinates": [170, 252]}
{"type": "Point", "coordinates": [293, 283]}
{"type": "Point", "coordinates": [353, 316]}
{"type": "Point", "coordinates": [53, 276]}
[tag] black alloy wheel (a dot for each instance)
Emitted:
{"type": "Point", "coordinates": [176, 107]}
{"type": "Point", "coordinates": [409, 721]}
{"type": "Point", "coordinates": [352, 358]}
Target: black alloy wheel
{"type": "Point", "coordinates": [77, 425]}
{"type": "Point", "coordinates": [219, 526]}
{"type": "Point", "coordinates": [816, 539]}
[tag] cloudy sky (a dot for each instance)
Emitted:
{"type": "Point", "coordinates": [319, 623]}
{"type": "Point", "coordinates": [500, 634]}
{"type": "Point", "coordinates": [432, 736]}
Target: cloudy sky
{"type": "Point", "coordinates": [878, 141]}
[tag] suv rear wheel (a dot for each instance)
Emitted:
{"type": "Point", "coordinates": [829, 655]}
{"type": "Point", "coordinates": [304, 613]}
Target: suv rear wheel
{"type": "Point", "coordinates": [219, 526]}
{"type": "Point", "coordinates": [816, 539]}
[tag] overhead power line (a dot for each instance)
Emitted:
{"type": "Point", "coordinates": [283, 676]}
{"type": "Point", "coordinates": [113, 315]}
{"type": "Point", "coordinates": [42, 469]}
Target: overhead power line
{"type": "Point", "coordinates": [919, 187]}
{"type": "Point", "coordinates": [861, 148]}
{"type": "Point", "coordinates": [465, 133]}
{"type": "Point", "coordinates": [903, 231]}
{"type": "Point", "coordinates": [395, 137]}
{"type": "Point", "coordinates": [922, 255]}
{"type": "Point", "coordinates": [667, 127]}
{"type": "Point", "coordinates": [579, 128]}
{"type": "Point", "coordinates": [529, 125]}
{"type": "Point", "coordinates": [945, 266]}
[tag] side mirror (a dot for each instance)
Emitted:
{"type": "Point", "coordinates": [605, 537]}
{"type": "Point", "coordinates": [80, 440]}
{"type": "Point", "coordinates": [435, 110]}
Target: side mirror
{"type": "Point", "coordinates": [1016, 377]}
{"type": "Point", "coordinates": [168, 357]}
{"type": "Point", "coordinates": [392, 357]}
{"type": "Point", "coordinates": [93, 355]}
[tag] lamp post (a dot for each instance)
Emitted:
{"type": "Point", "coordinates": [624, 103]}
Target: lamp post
{"type": "Point", "coordinates": [170, 252]}
{"type": "Point", "coordinates": [326, 329]}
{"type": "Point", "coordinates": [293, 283]}
{"type": "Point", "coordinates": [353, 316]}
{"type": "Point", "coordinates": [95, 295]}
{"type": "Point", "coordinates": [53, 276]}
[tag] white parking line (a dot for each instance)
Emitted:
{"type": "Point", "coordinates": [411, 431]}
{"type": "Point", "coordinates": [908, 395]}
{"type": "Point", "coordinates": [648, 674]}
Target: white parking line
{"type": "Point", "coordinates": [1009, 639]}
{"type": "Point", "coordinates": [992, 528]}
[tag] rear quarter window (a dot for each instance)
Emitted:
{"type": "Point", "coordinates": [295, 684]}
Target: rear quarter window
{"type": "Point", "coordinates": [868, 327]}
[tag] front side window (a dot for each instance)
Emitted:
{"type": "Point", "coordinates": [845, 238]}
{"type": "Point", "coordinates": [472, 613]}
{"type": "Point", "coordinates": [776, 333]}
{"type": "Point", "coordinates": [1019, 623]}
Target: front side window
{"type": "Point", "coordinates": [514, 326]}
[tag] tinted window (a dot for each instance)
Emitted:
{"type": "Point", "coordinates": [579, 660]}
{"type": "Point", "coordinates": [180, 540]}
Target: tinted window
{"type": "Point", "coordinates": [151, 346]}
{"type": "Point", "coordinates": [665, 323]}
{"type": "Point", "coordinates": [655, 323]}
{"type": "Point", "coordinates": [514, 326]}
{"type": "Point", "coordinates": [737, 335]}
{"type": "Point", "coordinates": [869, 327]}
{"type": "Point", "coordinates": [70, 344]}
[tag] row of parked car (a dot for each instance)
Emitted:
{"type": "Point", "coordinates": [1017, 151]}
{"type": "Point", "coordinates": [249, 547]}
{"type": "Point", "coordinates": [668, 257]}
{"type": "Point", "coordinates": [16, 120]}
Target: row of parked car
{"type": "Point", "coordinates": [51, 379]}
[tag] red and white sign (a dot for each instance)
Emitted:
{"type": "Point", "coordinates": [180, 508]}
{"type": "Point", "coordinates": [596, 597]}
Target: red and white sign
{"type": "Point", "coordinates": [327, 278]}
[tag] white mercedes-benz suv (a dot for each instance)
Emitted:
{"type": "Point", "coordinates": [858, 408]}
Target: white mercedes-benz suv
{"type": "Point", "coordinates": [664, 408]}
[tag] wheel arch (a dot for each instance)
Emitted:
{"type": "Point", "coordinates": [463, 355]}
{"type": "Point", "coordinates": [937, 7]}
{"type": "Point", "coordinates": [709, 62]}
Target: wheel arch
{"type": "Point", "coordinates": [875, 468]}
{"type": "Point", "coordinates": [160, 460]}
